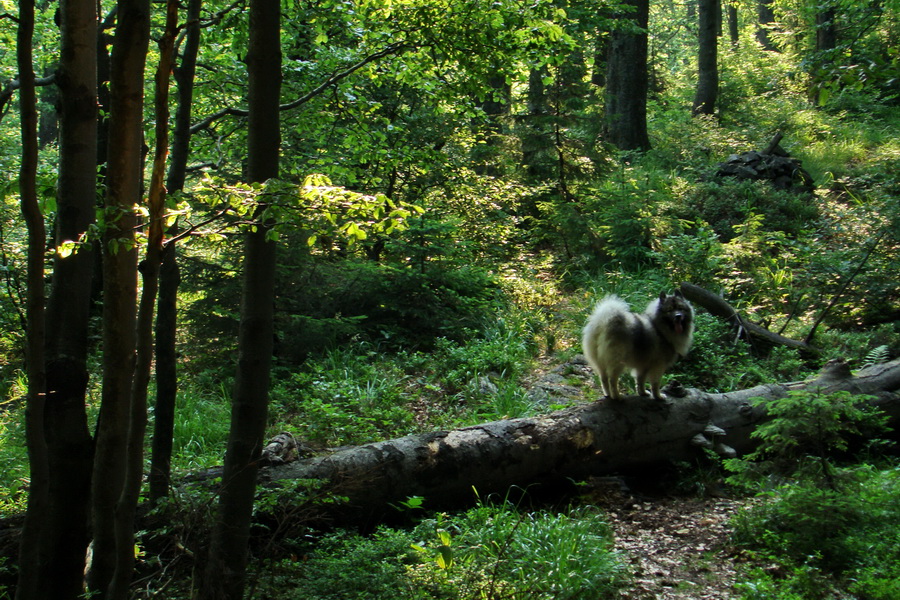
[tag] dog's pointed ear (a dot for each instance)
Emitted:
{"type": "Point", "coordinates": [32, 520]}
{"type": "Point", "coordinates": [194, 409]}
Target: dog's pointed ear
{"type": "Point", "coordinates": [678, 293]}
{"type": "Point", "coordinates": [662, 296]}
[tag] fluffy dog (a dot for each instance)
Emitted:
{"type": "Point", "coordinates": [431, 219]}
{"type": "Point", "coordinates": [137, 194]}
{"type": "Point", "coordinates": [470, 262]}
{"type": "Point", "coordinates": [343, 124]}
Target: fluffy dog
{"type": "Point", "coordinates": [615, 339]}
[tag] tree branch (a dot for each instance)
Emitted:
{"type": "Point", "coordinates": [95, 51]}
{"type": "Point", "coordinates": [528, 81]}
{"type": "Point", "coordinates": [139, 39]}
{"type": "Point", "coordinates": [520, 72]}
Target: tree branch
{"type": "Point", "coordinates": [862, 263]}
{"type": "Point", "coordinates": [395, 48]}
{"type": "Point", "coordinates": [719, 307]}
{"type": "Point", "coordinates": [13, 85]}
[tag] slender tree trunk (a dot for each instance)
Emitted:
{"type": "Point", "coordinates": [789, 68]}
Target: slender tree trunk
{"type": "Point", "coordinates": [166, 375]}
{"type": "Point", "coordinates": [733, 23]}
{"type": "Point", "coordinates": [124, 183]}
{"type": "Point", "coordinates": [826, 42]}
{"type": "Point", "coordinates": [495, 106]}
{"type": "Point", "coordinates": [826, 31]}
{"type": "Point", "coordinates": [184, 82]}
{"type": "Point", "coordinates": [601, 50]}
{"type": "Point", "coordinates": [536, 141]}
{"type": "Point", "coordinates": [626, 82]}
{"type": "Point", "coordinates": [707, 59]}
{"type": "Point", "coordinates": [225, 574]}
{"type": "Point", "coordinates": [32, 556]}
{"type": "Point", "coordinates": [69, 443]}
{"type": "Point", "coordinates": [169, 275]}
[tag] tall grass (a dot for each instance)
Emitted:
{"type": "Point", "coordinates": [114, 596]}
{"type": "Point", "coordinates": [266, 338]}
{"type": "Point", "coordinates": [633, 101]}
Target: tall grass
{"type": "Point", "coordinates": [14, 475]}
{"type": "Point", "coordinates": [203, 418]}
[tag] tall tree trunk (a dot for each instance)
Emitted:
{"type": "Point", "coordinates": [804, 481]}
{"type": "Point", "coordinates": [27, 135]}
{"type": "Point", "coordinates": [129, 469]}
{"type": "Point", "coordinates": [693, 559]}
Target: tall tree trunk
{"type": "Point", "coordinates": [166, 375]}
{"type": "Point", "coordinates": [169, 275]}
{"type": "Point", "coordinates": [536, 141]}
{"type": "Point", "coordinates": [32, 556]}
{"type": "Point", "coordinates": [707, 59]}
{"type": "Point", "coordinates": [225, 573]}
{"type": "Point", "coordinates": [601, 50]}
{"type": "Point", "coordinates": [149, 270]}
{"type": "Point", "coordinates": [68, 309]}
{"type": "Point", "coordinates": [626, 82]}
{"type": "Point", "coordinates": [826, 42]}
{"type": "Point", "coordinates": [765, 17]}
{"type": "Point", "coordinates": [826, 31]}
{"type": "Point", "coordinates": [123, 193]}
{"type": "Point", "coordinates": [495, 106]}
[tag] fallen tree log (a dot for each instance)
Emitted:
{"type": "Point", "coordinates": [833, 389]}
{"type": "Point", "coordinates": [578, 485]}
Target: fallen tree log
{"type": "Point", "coordinates": [569, 445]}
{"type": "Point", "coordinates": [719, 307]}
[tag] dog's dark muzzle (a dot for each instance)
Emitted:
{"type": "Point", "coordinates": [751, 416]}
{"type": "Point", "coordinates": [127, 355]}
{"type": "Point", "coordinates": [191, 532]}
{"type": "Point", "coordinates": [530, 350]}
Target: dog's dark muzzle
{"type": "Point", "coordinates": [679, 321]}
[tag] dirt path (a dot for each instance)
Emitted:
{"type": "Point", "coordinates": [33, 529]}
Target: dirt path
{"type": "Point", "coordinates": [678, 548]}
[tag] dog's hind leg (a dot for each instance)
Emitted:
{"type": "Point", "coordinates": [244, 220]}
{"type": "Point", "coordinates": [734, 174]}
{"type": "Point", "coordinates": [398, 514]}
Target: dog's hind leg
{"type": "Point", "coordinates": [609, 379]}
{"type": "Point", "coordinates": [640, 382]}
{"type": "Point", "coordinates": [605, 384]}
{"type": "Point", "coordinates": [613, 383]}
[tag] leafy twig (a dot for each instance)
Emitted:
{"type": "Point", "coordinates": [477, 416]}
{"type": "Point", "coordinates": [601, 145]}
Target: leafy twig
{"type": "Point", "coordinates": [862, 263]}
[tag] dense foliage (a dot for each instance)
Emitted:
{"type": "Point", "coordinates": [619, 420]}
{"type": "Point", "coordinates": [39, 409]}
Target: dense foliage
{"type": "Point", "coordinates": [448, 211]}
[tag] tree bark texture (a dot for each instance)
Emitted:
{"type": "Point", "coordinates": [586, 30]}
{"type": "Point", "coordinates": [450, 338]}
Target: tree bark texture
{"type": "Point", "coordinates": [32, 553]}
{"type": "Point", "coordinates": [543, 453]}
{"type": "Point", "coordinates": [169, 275]}
{"type": "Point", "coordinates": [707, 58]}
{"type": "Point", "coordinates": [765, 17]}
{"type": "Point", "coordinates": [149, 269]}
{"type": "Point", "coordinates": [731, 10]}
{"type": "Point", "coordinates": [626, 81]}
{"type": "Point", "coordinates": [225, 572]}
{"type": "Point", "coordinates": [68, 309]}
{"type": "Point", "coordinates": [124, 181]}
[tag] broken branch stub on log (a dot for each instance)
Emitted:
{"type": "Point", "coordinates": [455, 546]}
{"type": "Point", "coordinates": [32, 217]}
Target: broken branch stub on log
{"type": "Point", "coordinates": [545, 452]}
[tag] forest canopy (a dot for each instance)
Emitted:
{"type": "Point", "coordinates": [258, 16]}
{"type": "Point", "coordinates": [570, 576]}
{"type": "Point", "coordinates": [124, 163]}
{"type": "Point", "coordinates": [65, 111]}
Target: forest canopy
{"type": "Point", "coordinates": [354, 221]}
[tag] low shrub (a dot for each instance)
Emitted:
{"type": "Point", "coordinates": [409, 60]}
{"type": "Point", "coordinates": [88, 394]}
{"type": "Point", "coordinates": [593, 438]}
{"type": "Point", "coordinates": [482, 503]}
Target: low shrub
{"type": "Point", "coordinates": [850, 536]}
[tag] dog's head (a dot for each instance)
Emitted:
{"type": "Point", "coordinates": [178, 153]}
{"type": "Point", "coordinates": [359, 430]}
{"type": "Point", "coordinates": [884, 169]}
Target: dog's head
{"type": "Point", "coordinates": [677, 311]}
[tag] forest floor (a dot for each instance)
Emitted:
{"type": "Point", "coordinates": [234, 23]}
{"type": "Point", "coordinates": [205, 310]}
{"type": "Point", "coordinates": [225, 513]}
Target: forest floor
{"type": "Point", "coordinates": [677, 548]}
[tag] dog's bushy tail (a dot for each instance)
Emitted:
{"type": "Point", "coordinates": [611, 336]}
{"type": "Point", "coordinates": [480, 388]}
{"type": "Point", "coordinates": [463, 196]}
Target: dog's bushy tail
{"type": "Point", "coordinates": [608, 309]}
{"type": "Point", "coordinates": [605, 312]}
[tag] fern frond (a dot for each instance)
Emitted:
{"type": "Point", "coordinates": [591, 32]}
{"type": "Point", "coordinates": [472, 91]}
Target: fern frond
{"type": "Point", "coordinates": [877, 355]}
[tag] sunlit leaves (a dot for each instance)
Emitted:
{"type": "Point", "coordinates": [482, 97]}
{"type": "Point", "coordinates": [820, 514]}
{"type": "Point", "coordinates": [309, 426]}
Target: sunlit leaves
{"type": "Point", "coordinates": [317, 206]}
{"type": "Point", "coordinates": [353, 215]}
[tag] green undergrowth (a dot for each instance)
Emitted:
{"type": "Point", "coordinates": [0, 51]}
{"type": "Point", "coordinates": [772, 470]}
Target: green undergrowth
{"type": "Point", "coordinates": [823, 525]}
{"type": "Point", "coordinates": [492, 551]}
{"type": "Point", "coordinates": [813, 543]}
